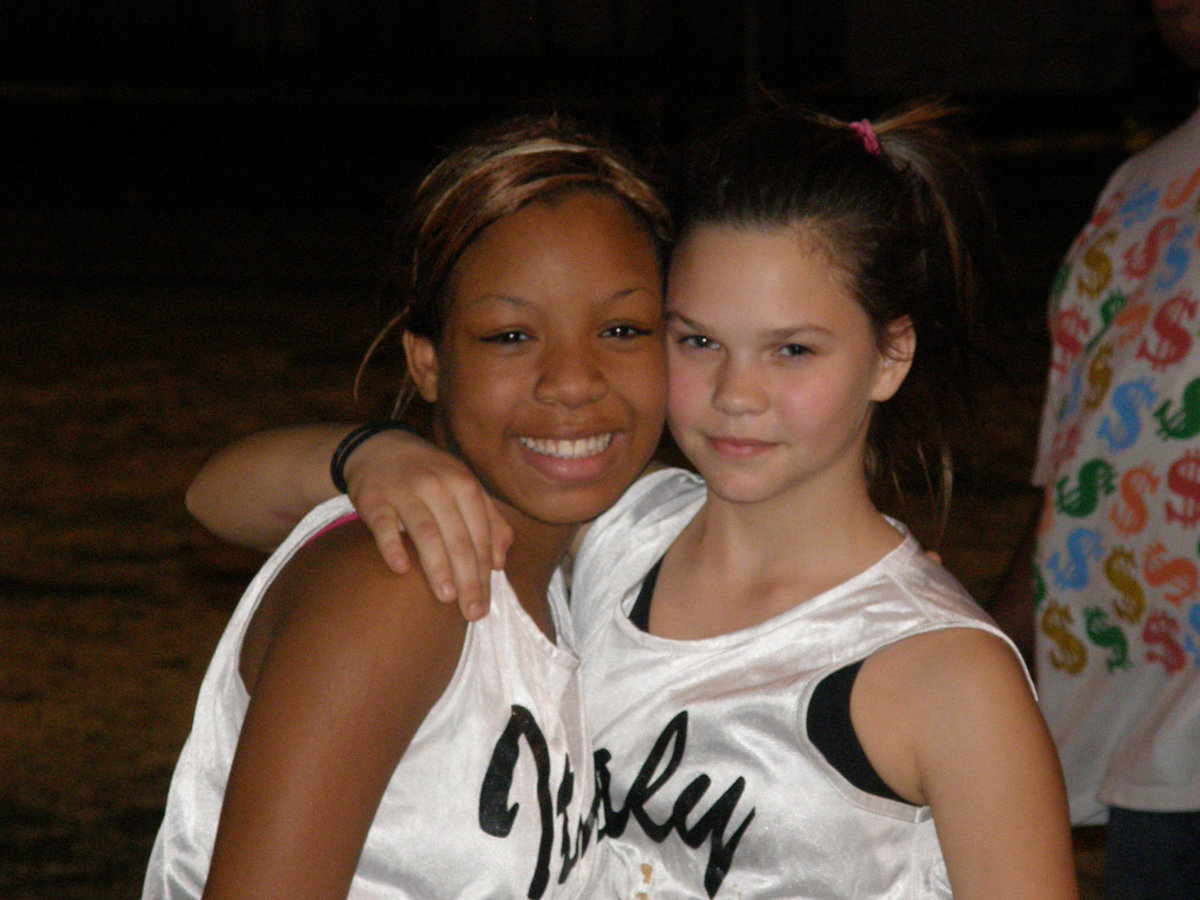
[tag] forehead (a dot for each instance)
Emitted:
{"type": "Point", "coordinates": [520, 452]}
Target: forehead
{"type": "Point", "coordinates": [581, 242]}
{"type": "Point", "coordinates": [747, 261]}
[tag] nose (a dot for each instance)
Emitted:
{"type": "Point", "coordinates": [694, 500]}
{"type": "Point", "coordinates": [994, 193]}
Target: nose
{"type": "Point", "coordinates": [737, 388]}
{"type": "Point", "coordinates": [571, 376]}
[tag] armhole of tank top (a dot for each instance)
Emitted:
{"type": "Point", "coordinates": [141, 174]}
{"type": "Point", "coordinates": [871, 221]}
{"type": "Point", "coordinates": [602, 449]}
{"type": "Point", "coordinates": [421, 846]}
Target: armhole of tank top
{"type": "Point", "coordinates": [240, 645]}
{"type": "Point", "coordinates": [829, 728]}
{"type": "Point", "coordinates": [341, 520]}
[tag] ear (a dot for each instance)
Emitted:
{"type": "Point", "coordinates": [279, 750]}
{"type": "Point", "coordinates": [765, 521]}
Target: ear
{"type": "Point", "coordinates": [422, 364]}
{"type": "Point", "coordinates": [900, 345]}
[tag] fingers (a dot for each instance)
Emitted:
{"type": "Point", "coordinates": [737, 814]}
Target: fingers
{"type": "Point", "coordinates": [476, 547]}
{"type": "Point", "coordinates": [399, 483]}
{"type": "Point", "coordinates": [454, 529]}
{"type": "Point", "coordinates": [435, 531]}
{"type": "Point", "coordinates": [469, 564]}
{"type": "Point", "coordinates": [385, 528]}
{"type": "Point", "coordinates": [501, 534]}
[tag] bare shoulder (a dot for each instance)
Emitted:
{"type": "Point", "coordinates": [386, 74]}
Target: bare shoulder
{"type": "Point", "coordinates": [948, 661]}
{"type": "Point", "coordinates": [343, 664]}
{"type": "Point", "coordinates": [931, 696]}
{"type": "Point", "coordinates": [949, 720]}
{"type": "Point", "coordinates": [335, 600]}
{"type": "Point", "coordinates": [964, 682]}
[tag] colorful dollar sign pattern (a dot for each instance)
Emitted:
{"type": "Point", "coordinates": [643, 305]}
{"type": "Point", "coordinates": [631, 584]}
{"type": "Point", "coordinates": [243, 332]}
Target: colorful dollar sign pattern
{"type": "Point", "coordinates": [1183, 478]}
{"type": "Point", "coordinates": [1069, 654]}
{"type": "Point", "coordinates": [1184, 423]}
{"type": "Point", "coordinates": [1069, 332]}
{"type": "Point", "coordinates": [1099, 377]}
{"type": "Point", "coordinates": [1094, 482]}
{"type": "Point", "coordinates": [1160, 636]}
{"type": "Point", "coordinates": [1131, 320]}
{"type": "Point", "coordinates": [1131, 512]}
{"type": "Point", "coordinates": [1096, 268]}
{"type": "Point", "coordinates": [1103, 634]}
{"type": "Point", "coordinates": [1121, 571]}
{"type": "Point", "coordinates": [1118, 563]}
{"type": "Point", "coordinates": [1170, 340]}
{"type": "Point", "coordinates": [1141, 257]}
{"type": "Point", "coordinates": [1181, 190]}
{"type": "Point", "coordinates": [1130, 402]}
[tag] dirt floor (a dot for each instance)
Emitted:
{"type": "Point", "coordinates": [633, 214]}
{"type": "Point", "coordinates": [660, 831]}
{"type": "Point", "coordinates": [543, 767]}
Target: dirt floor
{"type": "Point", "coordinates": [131, 345]}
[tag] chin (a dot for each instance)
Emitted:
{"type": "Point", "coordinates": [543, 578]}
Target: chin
{"type": "Point", "coordinates": [740, 490]}
{"type": "Point", "coordinates": [573, 507]}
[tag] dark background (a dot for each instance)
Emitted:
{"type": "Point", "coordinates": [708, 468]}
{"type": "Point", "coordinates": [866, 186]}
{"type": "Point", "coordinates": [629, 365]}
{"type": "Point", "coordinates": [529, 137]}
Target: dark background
{"type": "Point", "coordinates": [194, 199]}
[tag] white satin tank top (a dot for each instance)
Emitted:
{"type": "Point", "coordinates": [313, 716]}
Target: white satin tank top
{"type": "Point", "coordinates": [490, 800]}
{"type": "Point", "coordinates": [708, 782]}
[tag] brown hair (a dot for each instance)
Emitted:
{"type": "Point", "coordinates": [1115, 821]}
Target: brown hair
{"type": "Point", "coordinates": [493, 174]}
{"type": "Point", "coordinates": [902, 211]}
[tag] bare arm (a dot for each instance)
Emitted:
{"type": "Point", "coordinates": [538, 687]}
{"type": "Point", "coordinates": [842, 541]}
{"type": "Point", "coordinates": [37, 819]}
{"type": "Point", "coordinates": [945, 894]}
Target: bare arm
{"type": "Point", "coordinates": [252, 492]}
{"type": "Point", "coordinates": [255, 490]}
{"type": "Point", "coordinates": [345, 679]}
{"type": "Point", "coordinates": [949, 720]}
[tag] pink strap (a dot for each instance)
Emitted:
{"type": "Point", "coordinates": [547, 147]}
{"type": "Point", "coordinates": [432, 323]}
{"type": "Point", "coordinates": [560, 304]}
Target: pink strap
{"type": "Point", "coordinates": [341, 520]}
{"type": "Point", "coordinates": [864, 130]}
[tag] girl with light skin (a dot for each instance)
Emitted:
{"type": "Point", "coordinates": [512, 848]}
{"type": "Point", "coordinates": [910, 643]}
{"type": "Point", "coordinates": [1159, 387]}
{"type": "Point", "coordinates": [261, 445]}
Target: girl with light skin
{"type": "Point", "coordinates": [787, 697]}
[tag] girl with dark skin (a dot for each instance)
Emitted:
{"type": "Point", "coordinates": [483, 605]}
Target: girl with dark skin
{"type": "Point", "coordinates": [531, 322]}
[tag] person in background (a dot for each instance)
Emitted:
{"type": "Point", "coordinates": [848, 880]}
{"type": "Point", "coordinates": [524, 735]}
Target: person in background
{"type": "Point", "coordinates": [1111, 615]}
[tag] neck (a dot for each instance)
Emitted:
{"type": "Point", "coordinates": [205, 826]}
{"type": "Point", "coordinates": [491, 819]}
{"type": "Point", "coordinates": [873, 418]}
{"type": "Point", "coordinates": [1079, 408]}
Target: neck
{"type": "Point", "coordinates": [809, 534]}
{"type": "Point", "coordinates": [536, 551]}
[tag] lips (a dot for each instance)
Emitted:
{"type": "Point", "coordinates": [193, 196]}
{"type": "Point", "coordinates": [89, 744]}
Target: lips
{"type": "Point", "coordinates": [573, 462]}
{"type": "Point", "coordinates": [739, 448]}
{"type": "Point", "coordinates": [578, 448]}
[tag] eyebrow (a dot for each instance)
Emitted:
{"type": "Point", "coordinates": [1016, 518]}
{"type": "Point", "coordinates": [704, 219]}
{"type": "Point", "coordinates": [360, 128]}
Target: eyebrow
{"type": "Point", "coordinates": [516, 300]}
{"type": "Point", "coordinates": [775, 334]}
{"type": "Point", "coordinates": [508, 299]}
{"type": "Point", "coordinates": [673, 316]}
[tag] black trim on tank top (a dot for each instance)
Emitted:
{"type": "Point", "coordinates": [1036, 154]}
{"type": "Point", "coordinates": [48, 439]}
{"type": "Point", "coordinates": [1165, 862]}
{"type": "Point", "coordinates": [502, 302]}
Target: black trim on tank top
{"type": "Point", "coordinates": [639, 613]}
{"type": "Point", "coordinates": [828, 722]}
{"type": "Point", "coordinates": [832, 732]}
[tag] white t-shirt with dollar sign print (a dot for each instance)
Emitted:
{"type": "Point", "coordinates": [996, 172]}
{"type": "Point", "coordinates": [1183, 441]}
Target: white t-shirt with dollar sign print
{"type": "Point", "coordinates": [1117, 572]}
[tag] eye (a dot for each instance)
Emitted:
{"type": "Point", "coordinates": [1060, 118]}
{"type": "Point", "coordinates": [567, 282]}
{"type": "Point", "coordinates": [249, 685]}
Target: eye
{"type": "Point", "coordinates": [697, 342]}
{"type": "Point", "coordinates": [626, 331]}
{"type": "Point", "coordinates": [792, 351]}
{"type": "Point", "coordinates": [506, 337]}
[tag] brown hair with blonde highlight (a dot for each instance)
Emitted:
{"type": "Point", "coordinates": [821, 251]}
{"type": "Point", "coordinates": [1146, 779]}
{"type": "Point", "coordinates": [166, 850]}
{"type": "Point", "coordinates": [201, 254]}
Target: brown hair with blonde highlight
{"type": "Point", "coordinates": [492, 175]}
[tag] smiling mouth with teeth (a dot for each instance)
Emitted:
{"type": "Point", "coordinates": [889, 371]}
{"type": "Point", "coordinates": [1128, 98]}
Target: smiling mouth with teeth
{"type": "Point", "coordinates": [580, 448]}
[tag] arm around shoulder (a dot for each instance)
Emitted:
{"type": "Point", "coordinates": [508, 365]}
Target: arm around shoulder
{"type": "Point", "coordinates": [253, 492]}
{"type": "Point", "coordinates": [339, 685]}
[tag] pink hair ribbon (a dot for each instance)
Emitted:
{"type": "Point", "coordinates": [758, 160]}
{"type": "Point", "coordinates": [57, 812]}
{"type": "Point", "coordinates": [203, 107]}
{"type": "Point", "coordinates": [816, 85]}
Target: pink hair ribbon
{"type": "Point", "coordinates": [864, 130]}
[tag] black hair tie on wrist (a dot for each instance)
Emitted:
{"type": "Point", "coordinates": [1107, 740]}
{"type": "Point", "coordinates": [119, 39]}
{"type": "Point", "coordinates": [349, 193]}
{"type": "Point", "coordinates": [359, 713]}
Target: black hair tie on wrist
{"type": "Point", "coordinates": [351, 442]}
